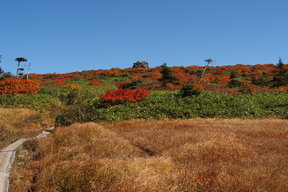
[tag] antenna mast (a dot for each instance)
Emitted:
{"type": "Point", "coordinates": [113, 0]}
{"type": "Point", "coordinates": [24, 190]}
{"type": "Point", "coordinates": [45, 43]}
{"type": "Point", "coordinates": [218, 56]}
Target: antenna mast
{"type": "Point", "coordinates": [28, 71]}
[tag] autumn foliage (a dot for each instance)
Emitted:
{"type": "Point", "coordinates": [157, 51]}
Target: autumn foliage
{"type": "Point", "coordinates": [95, 82]}
{"type": "Point", "coordinates": [113, 97]}
{"type": "Point", "coordinates": [19, 86]}
{"type": "Point", "coordinates": [234, 79]}
{"type": "Point", "coordinates": [73, 87]}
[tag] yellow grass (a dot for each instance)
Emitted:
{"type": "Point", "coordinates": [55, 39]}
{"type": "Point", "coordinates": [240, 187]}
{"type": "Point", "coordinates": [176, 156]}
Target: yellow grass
{"type": "Point", "coordinates": [167, 155]}
{"type": "Point", "coordinates": [19, 123]}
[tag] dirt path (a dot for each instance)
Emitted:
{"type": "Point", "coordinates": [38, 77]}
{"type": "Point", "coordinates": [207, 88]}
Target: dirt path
{"type": "Point", "coordinates": [7, 156]}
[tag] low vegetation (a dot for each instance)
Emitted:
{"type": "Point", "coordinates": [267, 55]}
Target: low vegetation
{"type": "Point", "coordinates": [40, 102]}
{"type": "Point", "coordinates": [166, 155]}
{"type": "Point", "coordinates": [161, 105]}
{"type": "Point", "coordinates": [20, 123]}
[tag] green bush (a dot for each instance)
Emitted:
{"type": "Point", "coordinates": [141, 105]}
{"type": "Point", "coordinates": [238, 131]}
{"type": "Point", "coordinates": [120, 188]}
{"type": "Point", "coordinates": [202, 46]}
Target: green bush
{"type": "Point", "coordinates": [168, 104]}
{"type": "Point", "coordinates": [80, 112]}
{"type": "Point", "coordinates": [274, 104]}
{"type": "Point", "coordinates": [132, 85]}
{"type": "Point", "coordinates": [167, 75]}
{"type": "Point", "coordinates": [235, 83]}
{"type": "Point", "coordinates": [189, 90]}
{"type": "Point", "coordinates": [65, 95]}
{"type": "Point", "coordinates": [39, 102]}
{"type": "Point", "coordinates": [207, 105]}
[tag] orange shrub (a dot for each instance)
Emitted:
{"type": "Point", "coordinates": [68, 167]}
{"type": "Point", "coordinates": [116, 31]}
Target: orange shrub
{"type": "Point", "coordinates": [73, 87]}
{"type": "Point", "coordinates": [171, 86]}
{"type": "Point", "coordinates": [118, 84]}
{"type": "Point", "coordinates": [249, 89]}
{"type": "Point", "coordinates": [95, 83]}
{"type": "Point", "coordinates": [19, 86]}
{"type": "Point", "coordinates": [198, 86]}
{"type": "Point", "coordinates": [150, 86]}
{"type": "Point", "coordinates": [281, 89]}
{"type": "Point", "coordinates": [54, 82]}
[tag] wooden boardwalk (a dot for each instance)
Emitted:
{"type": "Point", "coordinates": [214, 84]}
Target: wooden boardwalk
{"type": "Point", "coordinates": [7, 156]}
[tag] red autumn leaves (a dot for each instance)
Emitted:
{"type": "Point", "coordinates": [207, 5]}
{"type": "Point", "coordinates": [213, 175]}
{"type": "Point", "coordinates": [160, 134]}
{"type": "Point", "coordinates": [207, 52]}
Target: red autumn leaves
{"type": "Point", "coordinates": [19, 86]}
{"type": "Point", "coordinates": [114, 97]}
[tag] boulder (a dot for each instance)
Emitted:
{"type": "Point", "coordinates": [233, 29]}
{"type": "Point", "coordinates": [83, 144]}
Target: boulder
{"type": "Point", "coordinates": [141, 64]}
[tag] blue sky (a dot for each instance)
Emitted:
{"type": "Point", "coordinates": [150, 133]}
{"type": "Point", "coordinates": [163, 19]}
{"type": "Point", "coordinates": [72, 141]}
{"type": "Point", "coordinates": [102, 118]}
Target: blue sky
{"type": "Point", "coordinates": [72, 35]}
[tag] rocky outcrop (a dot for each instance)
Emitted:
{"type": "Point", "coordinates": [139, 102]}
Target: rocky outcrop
{"type": "Point", "coordinates": [141, 64]}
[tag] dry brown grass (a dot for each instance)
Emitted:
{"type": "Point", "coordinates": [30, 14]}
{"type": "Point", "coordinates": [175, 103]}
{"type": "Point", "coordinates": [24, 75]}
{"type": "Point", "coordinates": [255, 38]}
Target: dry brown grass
{"type": "Point", "coordinates": [20, 123]}
{"type": "Point", "coordinates": [168, 155]}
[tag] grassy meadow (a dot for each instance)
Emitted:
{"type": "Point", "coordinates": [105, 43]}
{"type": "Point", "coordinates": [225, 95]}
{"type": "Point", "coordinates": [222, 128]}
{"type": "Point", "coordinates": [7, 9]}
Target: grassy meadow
{"type": "Point", "coordinates": [20, 123]}
{"type": "Point", "coordinates": [158, 155]}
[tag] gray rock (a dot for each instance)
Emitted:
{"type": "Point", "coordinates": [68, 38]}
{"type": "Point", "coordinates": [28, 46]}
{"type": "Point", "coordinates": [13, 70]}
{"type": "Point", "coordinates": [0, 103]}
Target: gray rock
{"type": "Point", "coordinates": [141, 64]}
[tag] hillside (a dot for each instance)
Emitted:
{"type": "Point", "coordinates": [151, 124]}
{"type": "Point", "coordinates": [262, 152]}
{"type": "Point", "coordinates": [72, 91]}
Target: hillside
{"type": "Point", "coordinates": [234, 136]}
{"type": "Point", "coordinates": [240, 91]}
{"type": "Point", "coordinates": [256, 78]}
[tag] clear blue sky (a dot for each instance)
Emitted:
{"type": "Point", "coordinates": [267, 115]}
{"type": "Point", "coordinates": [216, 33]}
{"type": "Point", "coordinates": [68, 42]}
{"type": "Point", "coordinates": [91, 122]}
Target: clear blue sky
{"type": "Point", "coordinates": [74, 35]}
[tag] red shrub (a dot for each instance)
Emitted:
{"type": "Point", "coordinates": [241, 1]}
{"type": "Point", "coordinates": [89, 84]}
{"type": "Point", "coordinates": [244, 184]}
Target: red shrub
{"type": "Point", "coordinates": [19, 86]}
{"type": "Point", "coordinates": [123, 95]}
{"type": "Point", "coordinates": [58, 82]}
